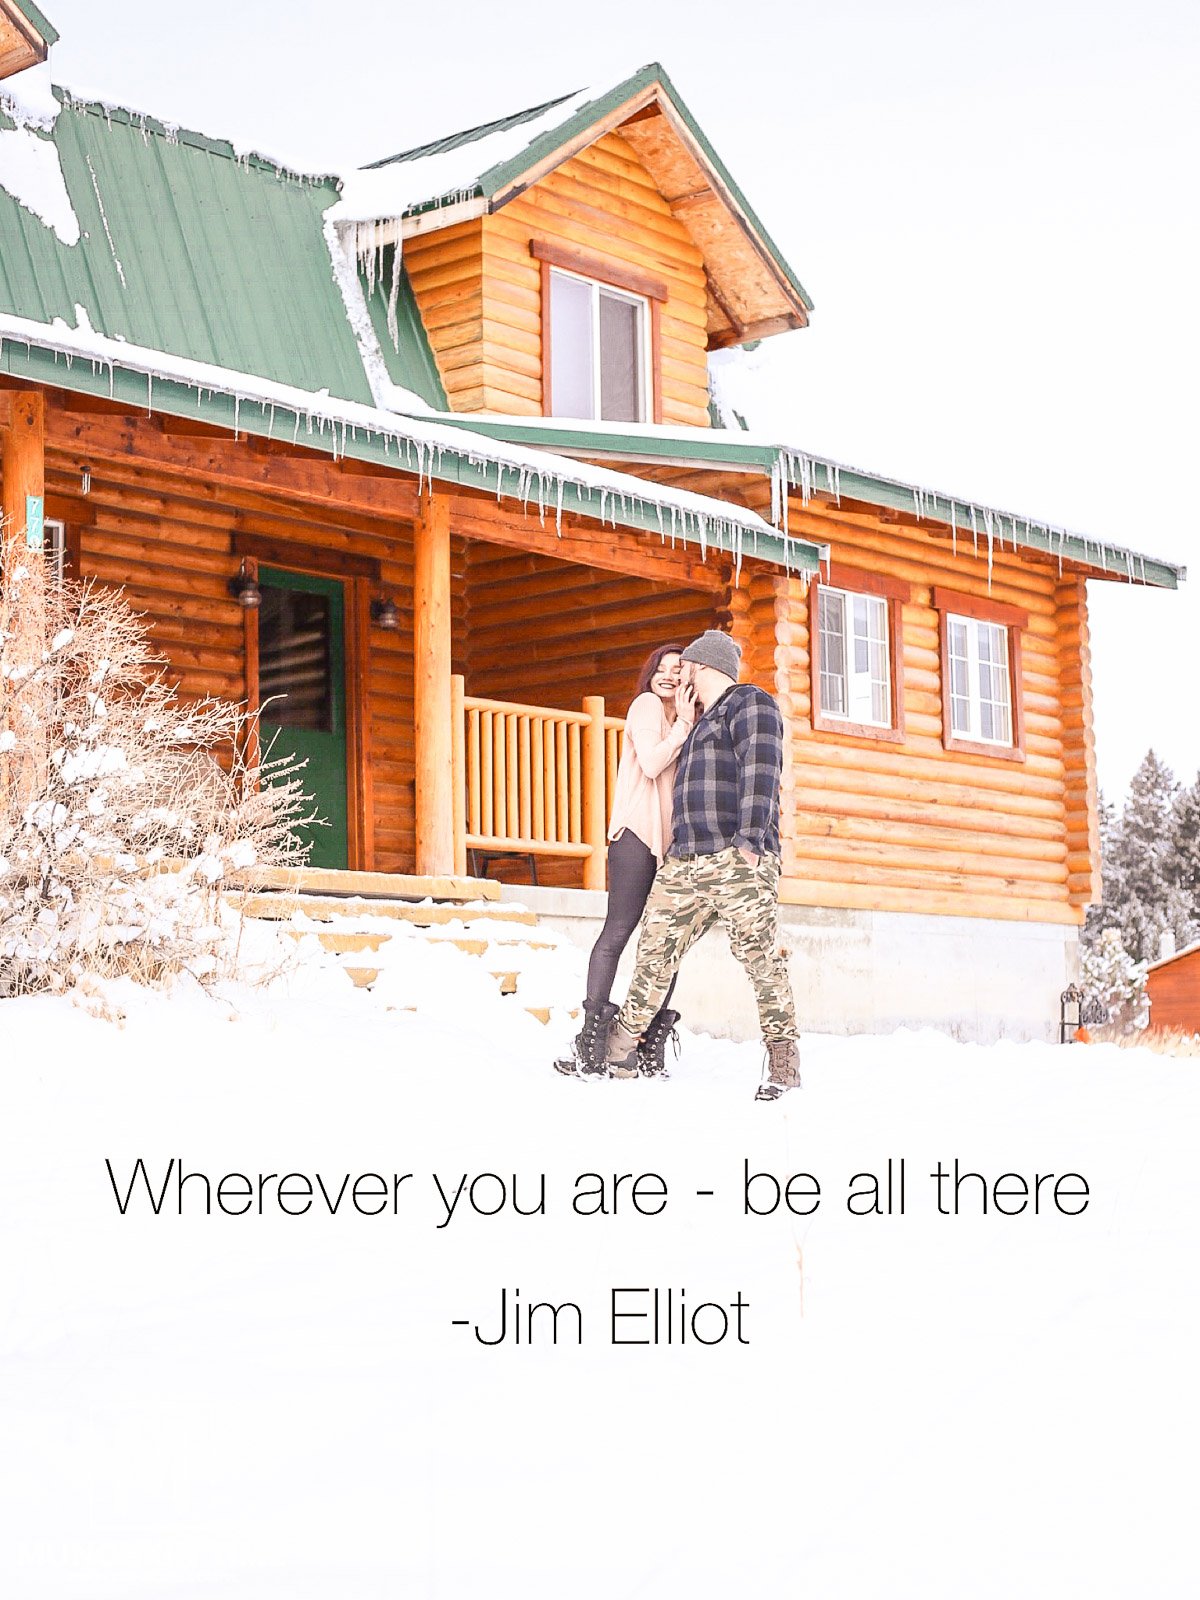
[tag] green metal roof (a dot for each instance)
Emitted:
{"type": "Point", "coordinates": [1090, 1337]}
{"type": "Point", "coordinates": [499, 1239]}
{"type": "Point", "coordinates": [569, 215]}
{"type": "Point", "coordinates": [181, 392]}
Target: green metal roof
{"type": "Point", "coordinates": [456, 141]}
{"type": "Point", "coordinates": [187, 249]}
{"type": "Point", "coordinates": [405, 348]}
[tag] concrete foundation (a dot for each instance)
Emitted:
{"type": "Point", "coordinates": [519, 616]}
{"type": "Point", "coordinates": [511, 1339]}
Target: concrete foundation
{"type": "Point", "coordinates": [862, 971]}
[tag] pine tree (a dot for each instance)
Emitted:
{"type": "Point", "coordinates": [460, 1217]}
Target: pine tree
{"type": "Point", "coordinates": [1142, 893]}
{"type": "Point", "coordinates": [1111, 976]}
{"type": "Point", "coordinates": [1186, 849]}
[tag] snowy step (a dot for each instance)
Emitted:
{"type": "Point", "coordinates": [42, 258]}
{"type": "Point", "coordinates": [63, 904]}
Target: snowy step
{"type": "Point", "coordinates": [345, 944]}
{"type": "Point", "coordinates": [321, 908]}
{"type": "Point", "coordinates": [371, 885]}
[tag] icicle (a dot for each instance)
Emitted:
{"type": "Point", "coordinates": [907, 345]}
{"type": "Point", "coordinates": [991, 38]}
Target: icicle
{"type": "Point", "coordinates": [974, 532]}
{"type": "Point", "coordinates": [987, 528]}
{"type": "Point", "coordinates": [393, 322]}
{"type": "Point", "coordinates": [237, 414]}
{"type": "Point", "coordinates": [558, 508]}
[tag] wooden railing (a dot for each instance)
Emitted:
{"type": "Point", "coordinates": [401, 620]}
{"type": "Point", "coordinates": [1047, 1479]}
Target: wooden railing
{"type": "Point", "coordinates": [533, 779]}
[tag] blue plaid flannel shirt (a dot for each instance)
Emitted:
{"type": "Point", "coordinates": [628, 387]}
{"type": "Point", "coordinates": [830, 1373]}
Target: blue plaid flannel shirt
{"type": "Point", "coordinates": [727, 781]}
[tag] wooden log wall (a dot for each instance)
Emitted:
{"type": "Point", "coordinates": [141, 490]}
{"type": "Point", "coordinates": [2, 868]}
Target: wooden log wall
{"type": "Point", "coordinates": [917, 827]}
{"type": "Point", "coordinates": [479, 289]}
{"type": "Point", "coordinates": [548, 631]}
{"type": "Point", "coordinates": [913, 826]}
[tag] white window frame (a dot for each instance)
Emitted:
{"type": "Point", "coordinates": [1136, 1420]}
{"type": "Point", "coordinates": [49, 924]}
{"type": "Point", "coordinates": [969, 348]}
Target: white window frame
{"type": "Point", "coordinates": [54, 546]}
{"type": "Point", "coordinates": [974, 627]}
{"type": "Point", "coordinates": [645, 354]}
{"type": "Point", "coordinates": [883, 606]}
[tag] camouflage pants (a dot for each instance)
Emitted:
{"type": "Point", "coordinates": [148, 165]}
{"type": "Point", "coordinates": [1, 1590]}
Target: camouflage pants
{"type": "Point", "coordinates": [686, 898]}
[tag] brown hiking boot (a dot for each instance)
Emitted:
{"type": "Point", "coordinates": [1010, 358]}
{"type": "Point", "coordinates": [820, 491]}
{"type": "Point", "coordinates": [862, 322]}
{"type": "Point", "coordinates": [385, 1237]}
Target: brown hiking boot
{"type": "Point", "coordinates": [783, 1069]}
{"type": "Point", "coordinates": [622, 1051]}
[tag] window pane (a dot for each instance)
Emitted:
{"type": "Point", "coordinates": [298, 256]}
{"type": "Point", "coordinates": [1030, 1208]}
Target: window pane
{"type": "Point", "coordinates": [571, 385]}
{"type": "Point", "coordinates": [294, 659]}
{"type": "Point", "coordinates": [960, 685]}
{"type": "Point", "coordinates": [55, 544]}
{"type": "Point", "coordinates": [831, 620]}
{"type": "Point", "coordinates": [620, 339]}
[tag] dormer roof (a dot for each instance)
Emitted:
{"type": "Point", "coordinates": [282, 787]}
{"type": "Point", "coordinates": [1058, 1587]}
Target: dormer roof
{"type": "Point", "coordinates": [752, 291]}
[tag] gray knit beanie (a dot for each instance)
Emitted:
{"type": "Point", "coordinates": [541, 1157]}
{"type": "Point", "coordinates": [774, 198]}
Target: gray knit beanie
{"type": "Point", "coordinates": [715, 649]}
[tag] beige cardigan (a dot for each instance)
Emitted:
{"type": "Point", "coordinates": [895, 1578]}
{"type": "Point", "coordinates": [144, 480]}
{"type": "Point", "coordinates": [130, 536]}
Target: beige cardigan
{"type": "Point", "coordinates": [646, 775]}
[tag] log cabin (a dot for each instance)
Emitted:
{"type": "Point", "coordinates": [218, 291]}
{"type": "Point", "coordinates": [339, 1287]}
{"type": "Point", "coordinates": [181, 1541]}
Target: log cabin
{"type": "Point", "coordinates": [425, 459]}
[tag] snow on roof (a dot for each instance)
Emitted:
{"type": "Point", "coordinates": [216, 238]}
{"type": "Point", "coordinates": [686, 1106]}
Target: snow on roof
{"type": "Point", "coordinates": [338, 426]}
{"type": "Point", "coordinates": [1176, 955]}
{"type": "Point", "coordinates": [445, 176]}
{"type": "Point", "coordinates": [30, 170]}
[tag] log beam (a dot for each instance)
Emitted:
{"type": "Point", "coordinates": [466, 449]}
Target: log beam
{"type": "Point", "coordinates": [432, 706]}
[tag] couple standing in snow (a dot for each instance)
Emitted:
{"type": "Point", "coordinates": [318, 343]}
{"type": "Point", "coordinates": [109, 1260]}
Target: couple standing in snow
{"type": "Point", "coordinates": [694, 840]}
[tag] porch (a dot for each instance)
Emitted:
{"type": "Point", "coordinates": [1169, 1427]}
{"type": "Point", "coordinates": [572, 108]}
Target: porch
{"type": "Point", "coordinates": [454, 666]}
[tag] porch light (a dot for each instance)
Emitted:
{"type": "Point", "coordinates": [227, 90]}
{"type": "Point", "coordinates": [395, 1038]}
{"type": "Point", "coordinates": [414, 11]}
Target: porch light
{"type": "Point", "coordinates": [244, 588]}
{"type": "Point", "coordinates": [386, 614]}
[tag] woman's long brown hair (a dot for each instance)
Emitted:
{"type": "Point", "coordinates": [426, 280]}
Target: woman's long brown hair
{"type": "Point", "coordinates": [651, 664]}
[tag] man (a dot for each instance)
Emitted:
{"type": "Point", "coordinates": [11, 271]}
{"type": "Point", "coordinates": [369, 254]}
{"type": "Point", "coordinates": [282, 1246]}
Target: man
{"type": "Point", "coordinates": [722, 863]}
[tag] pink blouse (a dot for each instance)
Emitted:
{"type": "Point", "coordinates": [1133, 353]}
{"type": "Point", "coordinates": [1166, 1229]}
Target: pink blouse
{"type": "Point", "coordinates": [646, 775]}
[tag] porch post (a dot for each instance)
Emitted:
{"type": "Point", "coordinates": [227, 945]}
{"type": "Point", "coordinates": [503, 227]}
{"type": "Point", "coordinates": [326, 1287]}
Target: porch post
{"type": "Point", "coordinates": [459, 771]}
{"type": "Point", "coordinates": [594, 820]}
{"type": "Point", "coordinates": [22, 507]}
{"type": "Point", "coordinates": [432, 720]}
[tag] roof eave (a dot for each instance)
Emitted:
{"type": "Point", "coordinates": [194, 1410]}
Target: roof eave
{"type": "Point", "coordinates": [378, 438]}
{"type": "Point", "coordinates": [35, 32]}
{"type": "Point", "coordinates": [815, 476]}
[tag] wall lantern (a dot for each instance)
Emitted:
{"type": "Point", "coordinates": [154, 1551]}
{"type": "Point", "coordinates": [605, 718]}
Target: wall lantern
{"type": "Point", "coordinates": [244, 588]}
{"type": "Point", "coordinates": [386, 614]}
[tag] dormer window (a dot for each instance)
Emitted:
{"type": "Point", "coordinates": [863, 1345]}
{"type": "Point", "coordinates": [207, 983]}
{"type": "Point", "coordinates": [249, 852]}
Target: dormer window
{"type": "Point", "coordinates": [598, 355]}
{"type": "Point", "coordinates": [599, 337]}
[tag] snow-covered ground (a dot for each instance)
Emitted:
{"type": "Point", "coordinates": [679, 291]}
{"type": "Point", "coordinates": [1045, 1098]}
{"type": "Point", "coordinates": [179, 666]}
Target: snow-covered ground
{"type": "Point", "coordinates": [280, 1406]}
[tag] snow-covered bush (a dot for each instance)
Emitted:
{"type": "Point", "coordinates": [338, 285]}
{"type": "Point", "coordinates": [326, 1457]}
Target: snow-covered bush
{"type": "Point", "coordinates": [1110, 975]}
{"type": "Point", "coordinates": [125, 814]}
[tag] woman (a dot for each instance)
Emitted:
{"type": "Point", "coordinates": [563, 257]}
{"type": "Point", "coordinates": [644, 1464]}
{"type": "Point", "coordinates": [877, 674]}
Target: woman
{"type": "Point", "coordinates": [658, 722]}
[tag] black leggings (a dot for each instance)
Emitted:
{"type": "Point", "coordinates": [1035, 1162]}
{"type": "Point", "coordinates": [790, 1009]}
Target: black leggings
{"type": "Point", "coordinates": [631, 869]}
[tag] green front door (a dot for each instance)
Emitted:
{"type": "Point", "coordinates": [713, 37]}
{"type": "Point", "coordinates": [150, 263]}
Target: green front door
{"type": "Point", "coordinates": [302, 690]}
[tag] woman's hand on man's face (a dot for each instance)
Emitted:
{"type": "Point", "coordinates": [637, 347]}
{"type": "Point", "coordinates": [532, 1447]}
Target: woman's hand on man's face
{"type": "Point", "coordinates": [685, 703]}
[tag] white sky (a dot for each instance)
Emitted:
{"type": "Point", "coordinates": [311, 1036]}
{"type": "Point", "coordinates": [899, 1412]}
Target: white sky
{"type": "Point", "coordinates": [994, 207]}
